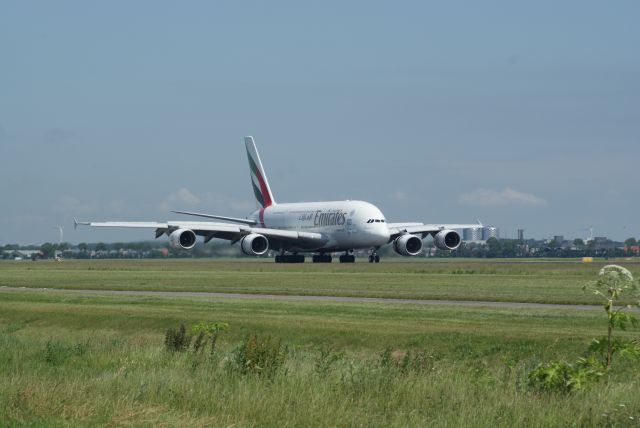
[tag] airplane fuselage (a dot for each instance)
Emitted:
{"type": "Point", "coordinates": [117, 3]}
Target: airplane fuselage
{"type": "Point", "coordinates": [345, 225]}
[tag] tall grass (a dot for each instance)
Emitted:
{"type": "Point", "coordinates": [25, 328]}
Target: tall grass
{"type": "Point", "coordinates": [80, 380]}
{"type": "Point", "coordinates": [74, 360]}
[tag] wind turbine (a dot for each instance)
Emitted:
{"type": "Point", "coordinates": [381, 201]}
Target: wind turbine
{"type": "Point", "coordinates": [60, 234]}
{"type": "Point", "coordinates": [590, 238]}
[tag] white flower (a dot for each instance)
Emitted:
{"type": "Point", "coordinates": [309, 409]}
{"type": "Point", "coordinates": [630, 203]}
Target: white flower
{"type": "Point", "coordinates": [616, 271]}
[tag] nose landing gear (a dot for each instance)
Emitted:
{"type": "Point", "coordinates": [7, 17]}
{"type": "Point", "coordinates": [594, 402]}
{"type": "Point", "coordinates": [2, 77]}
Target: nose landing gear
{"type": "Point", "coordinates": [374, 257]}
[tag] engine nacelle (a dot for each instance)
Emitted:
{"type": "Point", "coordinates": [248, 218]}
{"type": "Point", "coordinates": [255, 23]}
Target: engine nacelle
{"type": "Point", "coordinates": [447, 240]}
{"type": "Point", "coordinates": [254, 244]}
{"type": "Point", "coordinates": [408, 245]}
{"type": "Point", "coordinates": [183, 239]}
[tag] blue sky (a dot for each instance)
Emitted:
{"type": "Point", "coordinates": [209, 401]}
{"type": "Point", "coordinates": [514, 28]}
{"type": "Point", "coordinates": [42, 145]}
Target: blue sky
{"type": "Point", "coordinates": [521, 114]}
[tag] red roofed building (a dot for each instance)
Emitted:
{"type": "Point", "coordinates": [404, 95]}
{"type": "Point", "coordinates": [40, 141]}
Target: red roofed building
{"type": "Point", "coordinates": [633, 249]}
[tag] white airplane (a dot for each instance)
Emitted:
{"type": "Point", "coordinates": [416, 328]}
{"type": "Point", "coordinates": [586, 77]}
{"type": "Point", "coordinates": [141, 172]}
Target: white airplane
{"type": "Point", "coordinates": [321, 228]}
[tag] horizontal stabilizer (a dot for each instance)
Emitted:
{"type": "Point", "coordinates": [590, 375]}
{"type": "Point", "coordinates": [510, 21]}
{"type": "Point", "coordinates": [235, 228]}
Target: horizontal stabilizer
{"type": "Point", "coordinates": [76, 223]}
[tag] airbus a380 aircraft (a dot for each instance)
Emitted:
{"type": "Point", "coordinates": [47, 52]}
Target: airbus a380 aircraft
{"type": "Point", "coordinates": [307, 227]}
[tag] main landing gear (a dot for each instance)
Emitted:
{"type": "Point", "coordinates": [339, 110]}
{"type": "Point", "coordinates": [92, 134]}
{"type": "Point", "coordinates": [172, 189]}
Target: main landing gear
{"type": "Point", "coordinates": [321, 258]}
{"type": "Point", "coordinates": [289, 258]}
{"type": "Point", "coordinates": [374, 257]}
{"type": "Point", "coordinates": [326, 258]}
{"type": "Point", "coordinates": [347, 258]}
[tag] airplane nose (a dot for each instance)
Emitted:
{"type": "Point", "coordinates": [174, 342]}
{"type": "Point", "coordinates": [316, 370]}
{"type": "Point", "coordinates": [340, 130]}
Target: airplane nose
{"type": "Point", "coordinates": [382, 233]}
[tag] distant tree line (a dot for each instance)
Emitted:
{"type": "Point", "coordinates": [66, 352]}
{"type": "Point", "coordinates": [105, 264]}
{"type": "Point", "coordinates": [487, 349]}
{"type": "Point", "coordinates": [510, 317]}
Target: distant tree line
{"type": "Point", "coordinates": [512, 248]}
{"type": "Point", "coordinates": [492, 248]}
{"type": "Point", "coordinates": [119, 250]}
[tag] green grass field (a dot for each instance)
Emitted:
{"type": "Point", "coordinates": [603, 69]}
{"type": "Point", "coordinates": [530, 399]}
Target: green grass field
{"type": "Point", "coordinates": [69, 360]}
{"type": "Point", "coordinates": [535, 281]}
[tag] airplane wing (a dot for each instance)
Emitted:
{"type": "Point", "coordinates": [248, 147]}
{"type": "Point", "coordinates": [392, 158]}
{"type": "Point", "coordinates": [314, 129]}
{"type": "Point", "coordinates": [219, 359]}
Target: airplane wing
{"type": "Point", "coordinates": [397, 229]}
{"type": "Point", "coordinates": [219, 217]}
{"type": "Point", "coordinates": [210, 230]}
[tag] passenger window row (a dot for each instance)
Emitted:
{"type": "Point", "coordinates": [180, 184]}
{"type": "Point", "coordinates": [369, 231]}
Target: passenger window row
{"type": "Point", "coordinates": [375, 221]}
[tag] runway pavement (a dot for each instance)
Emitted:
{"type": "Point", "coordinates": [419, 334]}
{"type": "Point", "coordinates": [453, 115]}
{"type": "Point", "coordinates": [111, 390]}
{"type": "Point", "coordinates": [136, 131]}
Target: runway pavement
{"type": "Point", "coordinates": [302, 298]}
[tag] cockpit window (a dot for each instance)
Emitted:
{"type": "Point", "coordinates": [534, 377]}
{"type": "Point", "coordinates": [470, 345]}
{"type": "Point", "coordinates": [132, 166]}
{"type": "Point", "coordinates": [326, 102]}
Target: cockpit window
{"type": "Point", "coordinates": [375, 220]}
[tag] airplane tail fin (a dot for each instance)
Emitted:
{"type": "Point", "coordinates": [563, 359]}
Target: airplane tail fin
{"type": "Point", "coordinates": [259, 182]}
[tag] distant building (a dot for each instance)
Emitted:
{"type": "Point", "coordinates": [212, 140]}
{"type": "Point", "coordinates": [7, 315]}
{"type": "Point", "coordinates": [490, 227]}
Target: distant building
{"type": "Point", "coordinates": [603, 243]}
{"type": "Point", "coordinates": [490, 232]}
{"type": "Point", "coordinates": [520, 234]}
{"type": "Point", "coordinates": [473, 234]}
{"type": "Point", "coordinates": [20, 254]}
{"type": "Point", "coordinates": [633, 249]}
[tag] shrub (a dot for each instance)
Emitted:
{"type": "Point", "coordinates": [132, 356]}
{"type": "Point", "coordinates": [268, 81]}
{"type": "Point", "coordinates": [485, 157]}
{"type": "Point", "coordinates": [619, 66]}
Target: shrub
{"type": "Point", "coordinates": [263, 356]}
{"type": "Point", "coordinates": [207, 332]}
{"type": "Point", "coordinates": [625, 348]}
{"type": "Point", "coordinates": [177, 340]}
{"type": "Point", "coordinates": [199, 343]}
{"type": "Point", "coordinates": [563, 377]}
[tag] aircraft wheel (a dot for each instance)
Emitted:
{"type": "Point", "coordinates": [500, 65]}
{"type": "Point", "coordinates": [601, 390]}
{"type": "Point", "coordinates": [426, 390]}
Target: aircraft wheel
{"type": "Point", "coordinates": [377, 258]}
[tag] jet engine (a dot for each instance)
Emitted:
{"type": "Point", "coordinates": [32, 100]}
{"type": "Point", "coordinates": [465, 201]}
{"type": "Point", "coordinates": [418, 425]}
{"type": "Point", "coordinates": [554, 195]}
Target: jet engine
{"type": "Point", "coordinates": [183, 239]}
{"type": "Point", "coordinates": [254, 244]}
{"type": "Point", "coordinates": [407, 245]}
{"type": "Point", "coordinates": [447, 239]}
